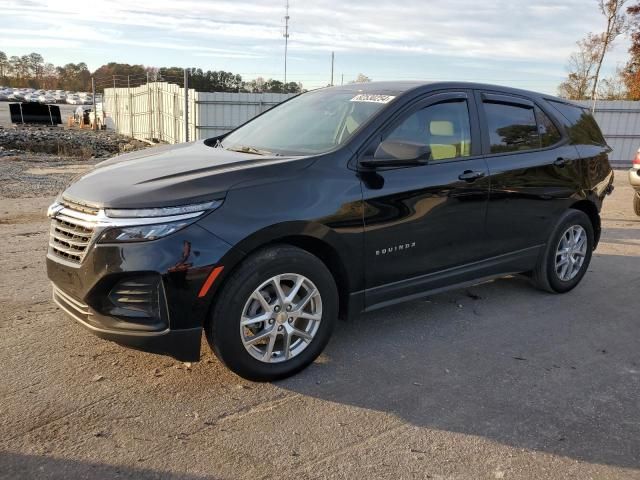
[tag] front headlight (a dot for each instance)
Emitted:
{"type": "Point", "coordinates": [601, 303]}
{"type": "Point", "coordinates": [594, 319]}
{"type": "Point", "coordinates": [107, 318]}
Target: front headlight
{"type": "Point", "coordinates": [145, 224]}
{"type": "Point", "coordinates": [141, 233]}
{"type": "Point", "coordinates": [197, 208]}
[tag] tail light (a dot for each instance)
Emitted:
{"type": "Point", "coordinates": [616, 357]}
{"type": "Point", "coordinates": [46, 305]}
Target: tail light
{"type": "Point", "coordinates": [636, 160]}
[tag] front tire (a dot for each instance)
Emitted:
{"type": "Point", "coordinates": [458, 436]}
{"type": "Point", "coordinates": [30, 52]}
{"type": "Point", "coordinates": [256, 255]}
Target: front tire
{"type": "Point", "coordinates": [274, 315]}
{"type": "Point", "coordinates": [567, 254]}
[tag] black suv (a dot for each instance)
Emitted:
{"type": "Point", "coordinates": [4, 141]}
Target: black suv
{"type": "Point", "coordinates": [339, 201]}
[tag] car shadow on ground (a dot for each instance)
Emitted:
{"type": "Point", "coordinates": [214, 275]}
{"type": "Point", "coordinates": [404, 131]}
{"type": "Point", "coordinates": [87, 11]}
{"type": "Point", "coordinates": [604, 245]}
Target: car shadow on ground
{"type": "Point", "coordinates": [16, 466]}
{"type": "Point", "coordinates": [552, 373]}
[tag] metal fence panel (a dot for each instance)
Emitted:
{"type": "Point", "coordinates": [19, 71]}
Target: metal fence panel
{"type": "Point", "coordinates": [619, 121]}
{"type": "Point", "coordinates": [219, 112]}
{"type": "Point", "coordinates": [154, 112]}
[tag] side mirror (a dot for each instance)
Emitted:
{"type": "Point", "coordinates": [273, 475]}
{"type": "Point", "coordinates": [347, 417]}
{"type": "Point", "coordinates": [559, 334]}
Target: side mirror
{"type": "Point", "coordinates": [391, 153]}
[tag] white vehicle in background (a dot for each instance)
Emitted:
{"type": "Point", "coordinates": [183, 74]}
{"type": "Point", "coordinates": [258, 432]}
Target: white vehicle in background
{"type": "Point", "coordinates": [46, 98]}
{"type": "Point", "coordinates": [74, 100]}
{"type": "Point", "coordinates": [634, 180]}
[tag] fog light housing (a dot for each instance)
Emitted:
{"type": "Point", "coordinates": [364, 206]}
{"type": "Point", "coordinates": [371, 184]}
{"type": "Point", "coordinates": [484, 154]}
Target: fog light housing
{"type": "Point", "coordinates": [137, 297]}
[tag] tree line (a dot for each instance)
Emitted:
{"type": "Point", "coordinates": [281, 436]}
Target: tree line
{"type": "Point", "coordinates": [584, 81]}
{"type": "Point", "coordinates": [32, 71]}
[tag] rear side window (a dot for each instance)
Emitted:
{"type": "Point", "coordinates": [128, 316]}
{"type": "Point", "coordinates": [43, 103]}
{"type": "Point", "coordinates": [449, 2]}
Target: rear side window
{"type": "Point", "coordinates": [583, 128]}
{"type": "Point", "coordinates": [512, 128]}
{"type": "Point", "coordinates": [549, 134]}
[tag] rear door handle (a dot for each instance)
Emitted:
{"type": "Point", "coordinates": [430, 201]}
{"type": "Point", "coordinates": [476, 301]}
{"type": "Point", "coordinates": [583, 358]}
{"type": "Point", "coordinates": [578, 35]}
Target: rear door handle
{"type": "Point", "coordinates": [560, 162]}
{"type": "Point", "coordinates": [470, 175]}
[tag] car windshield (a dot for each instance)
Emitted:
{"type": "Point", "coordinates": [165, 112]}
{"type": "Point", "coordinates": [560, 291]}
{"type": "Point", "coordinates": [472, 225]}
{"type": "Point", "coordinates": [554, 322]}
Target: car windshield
{"type": "Point", "coordinates": [312, 123]}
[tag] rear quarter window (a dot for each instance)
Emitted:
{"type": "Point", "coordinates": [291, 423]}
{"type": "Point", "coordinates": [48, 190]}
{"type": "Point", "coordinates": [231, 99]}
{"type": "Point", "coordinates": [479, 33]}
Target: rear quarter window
{"type": "Point", "coordinates": [582, 127]}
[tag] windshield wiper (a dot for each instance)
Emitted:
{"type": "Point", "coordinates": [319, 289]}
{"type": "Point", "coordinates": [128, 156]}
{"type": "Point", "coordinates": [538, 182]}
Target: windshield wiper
{"type": "Point", "coordinates": [248, 149]}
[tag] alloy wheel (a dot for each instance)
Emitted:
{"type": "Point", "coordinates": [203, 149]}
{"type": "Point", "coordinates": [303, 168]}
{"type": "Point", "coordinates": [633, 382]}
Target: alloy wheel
{"type": "Point", "coordinates": [571, 252]}
{"type": "Point", "coordinates": [281, 318]}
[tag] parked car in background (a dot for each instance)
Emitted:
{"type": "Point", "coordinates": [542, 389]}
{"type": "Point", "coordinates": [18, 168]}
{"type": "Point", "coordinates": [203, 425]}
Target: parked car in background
{"type": "Point", "coordinates": [634, 180]}
{"type": "Point", "coordinates": [46, 98]}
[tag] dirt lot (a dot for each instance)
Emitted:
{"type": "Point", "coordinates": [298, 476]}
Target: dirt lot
{"type": "Point", "coordinates": [496, 381]}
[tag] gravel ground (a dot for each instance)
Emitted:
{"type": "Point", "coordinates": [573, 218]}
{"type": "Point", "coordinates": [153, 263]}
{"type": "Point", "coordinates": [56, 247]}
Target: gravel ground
{"type": "Point", "coordinates": [28, 175]}
{"type": "Point", "coordinates": [42, 160]}
{"type": "Point", "coordinates": [68, 142]}
{"type": "Point", "coordinates": [496, 381]}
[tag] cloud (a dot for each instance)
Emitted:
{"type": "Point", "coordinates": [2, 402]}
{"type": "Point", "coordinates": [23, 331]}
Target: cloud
{"type": "Point", "coordinates": [461, 28]}
{"type": "Point", "coordinates": [447, 32]}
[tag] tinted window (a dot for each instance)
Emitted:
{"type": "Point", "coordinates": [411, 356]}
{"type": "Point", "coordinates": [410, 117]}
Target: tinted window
{"type": "Point", "coordinates": [444, 127]}
{"type": "Point", "coordinates": [511, 127]}
{"type": "Point", "coordinates": [583, 127]}
{"type": "Point", "coordinates": [549, 134]}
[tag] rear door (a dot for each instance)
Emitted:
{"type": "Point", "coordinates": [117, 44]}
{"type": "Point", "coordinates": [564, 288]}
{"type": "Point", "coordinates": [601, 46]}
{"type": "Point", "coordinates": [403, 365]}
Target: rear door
{"type": "Point", "coordinates": [533, 170]}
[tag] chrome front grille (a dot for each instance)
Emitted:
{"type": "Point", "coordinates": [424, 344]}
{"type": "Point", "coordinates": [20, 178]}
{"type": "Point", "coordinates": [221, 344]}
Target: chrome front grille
{"type": "Point", "coordinates": [79, 206]}
{"type": "Point", "coordinates": [71, 233]}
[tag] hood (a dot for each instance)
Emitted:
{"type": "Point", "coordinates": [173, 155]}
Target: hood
{"type": "Point", "coordinates": [173, 175]}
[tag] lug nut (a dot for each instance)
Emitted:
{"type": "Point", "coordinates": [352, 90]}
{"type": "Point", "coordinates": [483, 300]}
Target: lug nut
{"type": "Point", "coordinates": [276, 308]}
{"type": "Point", "coordinates": [280, 328]}
{"type": "Point", "coordinates": [290, 319]}
{"type": "Point", "coordinates": [288, 308]}
{"type": "Point", "coordinates": [271, 320]}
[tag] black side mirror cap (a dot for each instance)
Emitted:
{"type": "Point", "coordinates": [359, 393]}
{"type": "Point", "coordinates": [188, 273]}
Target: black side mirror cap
{"type": "Point", "coordinates": [391, 153]}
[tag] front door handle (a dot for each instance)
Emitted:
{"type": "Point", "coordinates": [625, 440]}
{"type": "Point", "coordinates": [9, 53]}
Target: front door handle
{"type": "Point", "coordinates": [470, 175]}
{"type": "Point", "coordinates": [560, 162]}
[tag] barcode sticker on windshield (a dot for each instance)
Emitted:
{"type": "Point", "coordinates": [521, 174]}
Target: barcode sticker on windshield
{"type": "Point", "coordinates": [372, 97]}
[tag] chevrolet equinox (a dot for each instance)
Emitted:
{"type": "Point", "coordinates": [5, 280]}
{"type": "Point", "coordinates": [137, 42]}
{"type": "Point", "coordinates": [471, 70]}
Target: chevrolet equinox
{"type": "Point", "coordinates": [336, 202]}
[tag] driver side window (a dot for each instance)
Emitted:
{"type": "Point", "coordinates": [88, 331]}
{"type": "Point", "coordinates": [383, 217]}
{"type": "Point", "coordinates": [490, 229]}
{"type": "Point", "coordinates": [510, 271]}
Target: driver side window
{"type": "Point", "coordinates": [444, 127]}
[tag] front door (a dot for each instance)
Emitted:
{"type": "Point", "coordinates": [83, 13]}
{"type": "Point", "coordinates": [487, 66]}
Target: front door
{"type": "Point", "coordinates": [424, 223]}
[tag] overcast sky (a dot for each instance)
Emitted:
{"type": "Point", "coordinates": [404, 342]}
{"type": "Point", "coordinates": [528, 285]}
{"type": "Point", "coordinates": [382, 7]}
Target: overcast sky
{"type": "Point", "coordinates": [523, 43]}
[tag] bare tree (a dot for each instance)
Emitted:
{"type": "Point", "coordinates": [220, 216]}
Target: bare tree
{"type": "Point", "coordinates": [613, 10]}
{"type": "Point", "coordinates": [581, 67]}
{"type": "Point", "coordinates": [361, 78]}
{"type": "Point", "coordinates": [613, 87]}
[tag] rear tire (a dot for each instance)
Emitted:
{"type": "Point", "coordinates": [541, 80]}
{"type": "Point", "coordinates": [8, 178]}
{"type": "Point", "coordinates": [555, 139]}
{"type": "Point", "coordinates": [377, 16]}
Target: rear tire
{"type": "Point", "coordinates": [287, 301]}
{"type": "Point", "coordinates": [636, 203]}
{"type": "Point", "coordinates": [567, 254]}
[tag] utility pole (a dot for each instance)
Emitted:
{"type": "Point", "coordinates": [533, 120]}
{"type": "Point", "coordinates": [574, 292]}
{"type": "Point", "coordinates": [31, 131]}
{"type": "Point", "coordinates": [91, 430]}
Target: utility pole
{"type": "Point", "coordinates": [130, 106]}
{"type": "Point", "coordinates": [332, 59]}
{"type": "Point", "coordinates": [186, 105]}
{"type": "Point", "coordinates": [286, 41]}
{"type": "Point", "coordinates": [93, 95]}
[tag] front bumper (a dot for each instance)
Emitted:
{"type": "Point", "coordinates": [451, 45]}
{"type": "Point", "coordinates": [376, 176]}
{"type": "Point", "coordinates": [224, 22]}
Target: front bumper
{"type": "Point", "coordinates": [182, 344]}
{"type": "Point", "coordinates": [634, 178]}
{"type": "Point", "coordinates": [100, 292]}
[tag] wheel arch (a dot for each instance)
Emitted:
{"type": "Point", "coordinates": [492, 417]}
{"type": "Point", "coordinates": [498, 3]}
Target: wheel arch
{"type": "Point", "coordinates": [315, 238]}
{"type": "Point", "coordinates": [590, 209]}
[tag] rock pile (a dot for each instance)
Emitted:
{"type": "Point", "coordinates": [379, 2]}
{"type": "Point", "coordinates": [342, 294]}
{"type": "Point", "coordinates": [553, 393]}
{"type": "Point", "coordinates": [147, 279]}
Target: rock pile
{"type": "Point", "coordinates": [65, 142]}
